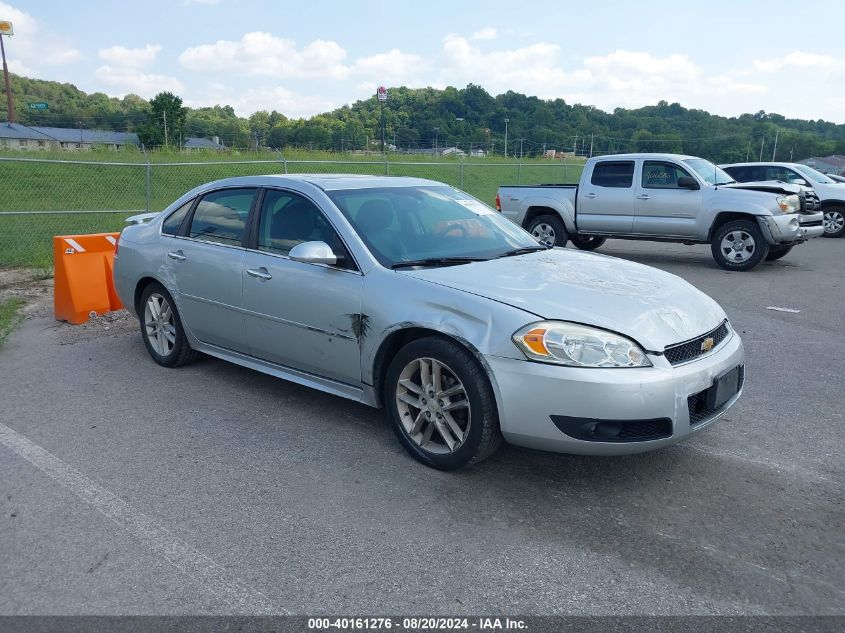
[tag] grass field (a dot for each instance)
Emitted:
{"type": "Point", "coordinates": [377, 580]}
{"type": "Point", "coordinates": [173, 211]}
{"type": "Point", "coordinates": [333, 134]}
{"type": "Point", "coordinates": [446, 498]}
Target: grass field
{"type": "Point", "coordinates": [9, 316]}
{"type": "Point", "coordinates": [79, 184]}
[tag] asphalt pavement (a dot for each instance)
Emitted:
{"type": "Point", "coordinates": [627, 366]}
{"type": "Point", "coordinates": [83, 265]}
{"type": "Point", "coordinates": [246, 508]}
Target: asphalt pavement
{"type": "Point", "coordinates": [128, 488]}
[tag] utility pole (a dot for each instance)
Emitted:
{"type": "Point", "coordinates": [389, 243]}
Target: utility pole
{"type": "Point", "coordinates": [790, 153]}
{"type": "Point", "coordinates": [520, 148]}
{"type": "Point", "coordinates": [575, 146]}
{"type": "Point", "coordinates": [748, 151]}
{"type": "Point", "coordinates": [435, 141]}
{"type": "Point", "coordinates": [507, 120]}
{"type": "Point", "coordinates": [591, 145]}
{"type": "Point", "coordinates": [762, 142]}
{"type": "Point", "coordinates": [775, 149]}
{"type": "Point", "coordinates": [10, 104]}
{"type": "Point", "coordinates": [165, 127]}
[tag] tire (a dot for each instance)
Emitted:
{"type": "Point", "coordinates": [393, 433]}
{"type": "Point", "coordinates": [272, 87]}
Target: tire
{"type": "Point", "coordinates": [164, 339]}
{"type": "Point", "coordinates": [738, 245]}
{"type": "Point", "coordinates": [834, 221]}
{"type": "Point", "coordinates": [416, 417]}
{"type": "Point", "coordinates": [776, 252]}
{"type": "Point", "coordinates": [548, 229]}
{"type": "Point", "coordinates": [587, 242]}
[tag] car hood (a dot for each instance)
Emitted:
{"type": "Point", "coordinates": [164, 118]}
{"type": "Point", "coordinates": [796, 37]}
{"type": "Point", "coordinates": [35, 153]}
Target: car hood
{"type": "Point", "coordinates": [770, 186]}
{"type": "Point", "coordinates": [652, 307]}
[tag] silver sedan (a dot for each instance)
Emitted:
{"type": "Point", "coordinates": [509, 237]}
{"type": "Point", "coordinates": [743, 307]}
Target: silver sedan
{"type": "Point", "coordinates": [411, 295]}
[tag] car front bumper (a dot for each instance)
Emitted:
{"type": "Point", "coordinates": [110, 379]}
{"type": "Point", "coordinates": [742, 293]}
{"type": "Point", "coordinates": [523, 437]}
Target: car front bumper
{"type": "Point", "coordinates": [537, 400]}
{"type": "Point", "coordinates": [792, 228]}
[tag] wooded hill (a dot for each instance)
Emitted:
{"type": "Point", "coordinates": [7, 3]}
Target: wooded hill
{"type": "Point", "coordinates": [468, 118]}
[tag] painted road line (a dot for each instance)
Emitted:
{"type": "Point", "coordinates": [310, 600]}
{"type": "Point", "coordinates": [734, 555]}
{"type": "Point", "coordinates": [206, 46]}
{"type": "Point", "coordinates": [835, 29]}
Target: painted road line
{"type": "Point", "coordinates": [777, 309]}
{"type": "Point", "coordinates": [197, 566]}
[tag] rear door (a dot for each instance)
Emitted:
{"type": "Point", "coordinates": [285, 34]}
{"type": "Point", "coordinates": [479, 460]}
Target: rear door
{"type": "Point", "coordinates": [205, 263]}
{"type": "Point", "coordinates": [663, 208]}
{"type": "Point", "coordinates": [606, 202]}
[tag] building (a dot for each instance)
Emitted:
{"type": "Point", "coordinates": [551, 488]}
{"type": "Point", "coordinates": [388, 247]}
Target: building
{"type": "Point", "coordinates": [194, 143]}
{"type": "Point", "coordinates": [834, 164]}
{"type": "Point", "coordinates": [14, 136]}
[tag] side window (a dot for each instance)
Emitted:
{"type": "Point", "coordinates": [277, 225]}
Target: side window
{"type": "Point", "coordinates": [171, 225]}
{"type": "Point", "coordinates": [221, 216]}
{"type": "Point", "coordinates": [660, 175]}
{"type": "Point", "coordinates": [740, 174]}
{"type": "Point", "coordinates": [288, 219]}
{"type": "Point", "coordinates": [613, 174]}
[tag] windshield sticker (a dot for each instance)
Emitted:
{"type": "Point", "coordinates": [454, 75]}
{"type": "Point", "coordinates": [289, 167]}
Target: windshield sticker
{"type": "Point", "coordinates": [475, 206]}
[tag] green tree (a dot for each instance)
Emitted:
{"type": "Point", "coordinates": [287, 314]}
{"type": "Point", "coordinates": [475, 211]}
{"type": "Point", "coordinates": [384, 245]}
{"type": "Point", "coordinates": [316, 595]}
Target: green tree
{"type": "Point", "coordinates": [165, 122]}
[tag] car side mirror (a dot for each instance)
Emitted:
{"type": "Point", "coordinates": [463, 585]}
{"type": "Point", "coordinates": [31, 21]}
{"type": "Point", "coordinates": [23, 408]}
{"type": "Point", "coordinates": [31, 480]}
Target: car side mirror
{"type": "Point", "coordinates": [688, 182]}
{"type": "Point", "coordinates": [313, 253]}
{"type": "Point", "coordinates": [800, 181]}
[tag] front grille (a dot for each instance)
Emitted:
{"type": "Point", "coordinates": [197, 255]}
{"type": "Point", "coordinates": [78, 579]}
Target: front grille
{"type": "Point", "coordinates": [641, 430]}
{"type": "Point", "coordinates": [812, 223]}
{"type": "Point", "coordinates": [690, 350]}
{"type": "Point", "coordinates": [810, 202]}
{"type": "Point", "coordinates": [595, 430]}
{"type": "Point", "coordinates": [699, 411]}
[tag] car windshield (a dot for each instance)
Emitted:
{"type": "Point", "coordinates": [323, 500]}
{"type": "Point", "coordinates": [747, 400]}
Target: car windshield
{"type": "Point", "coordinates": [813, 175]}
{"type": "Point", "coordinates": [708, 172]}
{"type": "Point", "coordinates": [431, 224]}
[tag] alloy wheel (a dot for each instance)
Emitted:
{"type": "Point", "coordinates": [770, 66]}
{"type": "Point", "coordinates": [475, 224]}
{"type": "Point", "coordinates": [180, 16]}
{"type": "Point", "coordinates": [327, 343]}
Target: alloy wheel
{"type": "Point", "coordinates": [833, 221]}
{"type": "Point", "coordinates": [159, 324]}
{"type": "Point", "coordinates": [544, 233]}
{"type": "Point", "coordinates": [738, 246]}
{"type": "Point", "coordinates": [433, 406]}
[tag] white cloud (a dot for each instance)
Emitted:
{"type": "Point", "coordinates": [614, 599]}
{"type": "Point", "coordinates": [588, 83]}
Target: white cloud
{"type": "Point", "coordinates": [487, 33]}
{"type": "Point", "coordinates": [33, 46]}
{"type": "Point", "coordinates": [260, 53]}
{"type": "Point", "coordinates": [131, 80]}
{"type": "Point", "coordinates": [290, 103]}
{"type": "Point", "coordinates": [797, 59]}
{"type": "Point", "coordinates": [130, 57]}
{"type": "Point", "coordinates": [391, 66]}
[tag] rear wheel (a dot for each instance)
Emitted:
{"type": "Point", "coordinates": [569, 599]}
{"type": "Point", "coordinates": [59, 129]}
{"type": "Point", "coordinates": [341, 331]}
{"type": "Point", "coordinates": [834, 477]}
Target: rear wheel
{"type": "Point", "coordinates": [738, 245]}
{"type": "Point", "coordinates": [587, 242]}
{"type": "Point", "coordinates": [441, 405]}
{"type": "Point", "coordinates": [834, 221]}
{"type": "Point", "coordinates": [161, 328]}
{"type": "Point", "coordinates": [776, 252]}
{"type": "Point", "coordinates": [548, 230]}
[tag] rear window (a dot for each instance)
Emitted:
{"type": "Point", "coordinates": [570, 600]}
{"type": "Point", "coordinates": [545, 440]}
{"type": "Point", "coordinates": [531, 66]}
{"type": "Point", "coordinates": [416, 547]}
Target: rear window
{"type": "Point", "coordinates": [221, 216]}
{"type": "Point", "coordinates": [613, 174]}
{"type": "Point", "coordinates": [171, 225]}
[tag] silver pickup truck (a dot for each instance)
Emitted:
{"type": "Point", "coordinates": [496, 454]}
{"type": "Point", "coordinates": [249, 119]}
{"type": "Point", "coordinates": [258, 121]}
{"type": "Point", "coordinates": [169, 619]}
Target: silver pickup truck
{"type": "Point", "coordinates": [670, 198]}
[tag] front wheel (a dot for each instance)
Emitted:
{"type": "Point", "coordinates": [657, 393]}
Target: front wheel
{"type": "Point", "coordinates": [441, 405]}
{"type": "Point", "coordinates": [549, 230]}
{"type": "Point", "coordinates": [834, 221]}
{"type": "Point", "coordinates": [738, 245]}
{"type": "Point", "coordinates": [587, 242]}
{"type": "Point", "coordinates": [776, 252]}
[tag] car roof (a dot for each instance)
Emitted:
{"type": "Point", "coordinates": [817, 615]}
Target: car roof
{"type": "Point", "coordinates": [647, 155]}
{"type": "Point", "coordinates": [765, 163]}
{"type": "Point", "coordinates": [326, 182]}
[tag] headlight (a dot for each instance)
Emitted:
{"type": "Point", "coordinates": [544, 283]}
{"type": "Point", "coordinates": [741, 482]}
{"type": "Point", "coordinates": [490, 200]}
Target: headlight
{"type": "Point", "coordinates": [789, 204]}
{"type": "Point", "coordinates": [578, 346]}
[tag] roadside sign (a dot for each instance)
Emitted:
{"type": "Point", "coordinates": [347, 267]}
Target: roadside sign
{"type": "Point", "coordinates": [38, 105]}
{"type": "Point", "coordinates": [6, 28]}
{"type": "Point", "coordinates": [382, 93]}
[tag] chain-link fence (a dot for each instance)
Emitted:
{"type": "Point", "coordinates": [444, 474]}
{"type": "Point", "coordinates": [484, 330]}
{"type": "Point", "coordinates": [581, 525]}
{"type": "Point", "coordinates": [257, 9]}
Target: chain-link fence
{"type": "Point", "coordinates": [41, 198]}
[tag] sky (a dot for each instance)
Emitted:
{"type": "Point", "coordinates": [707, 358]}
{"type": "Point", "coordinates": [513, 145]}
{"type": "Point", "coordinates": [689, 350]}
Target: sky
{"type": "Point", "coordinates": [306, 57]}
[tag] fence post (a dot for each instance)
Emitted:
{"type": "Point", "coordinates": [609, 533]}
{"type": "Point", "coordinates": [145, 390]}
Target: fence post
{"type": "Point", "coordinates": [148, 193]}
{"type": "Point", "coordinates": [386, 165]}
{"type": "Point", "coordinates": [565, 179]}
{"type": "Point", "coordinates": [461, 161]}
{"type": "Point", "coordinates": [284, 160]}
{"type": "Point", "coordinates": [519, 173]}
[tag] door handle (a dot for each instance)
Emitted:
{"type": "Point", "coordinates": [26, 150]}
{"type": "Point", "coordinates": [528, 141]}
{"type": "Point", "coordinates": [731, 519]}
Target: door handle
{"type": "Point", "coordinates": [177, 255]}
{"type": "Point", "coordinates": [260, 273]}
{"type": "Point", "coordinates": [645, 196]}
{"type": "Point", "coordinates": [590, 195]}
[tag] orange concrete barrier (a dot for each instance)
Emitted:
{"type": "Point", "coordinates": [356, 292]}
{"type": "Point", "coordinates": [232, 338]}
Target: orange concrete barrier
{"type": "Point", "coordinates": [83, 276]}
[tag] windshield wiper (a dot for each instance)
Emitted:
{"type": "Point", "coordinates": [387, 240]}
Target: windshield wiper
{"type": "Point", "coordinates": [437, 261]}
{"type": "Point", "coordinates": [522, 251]}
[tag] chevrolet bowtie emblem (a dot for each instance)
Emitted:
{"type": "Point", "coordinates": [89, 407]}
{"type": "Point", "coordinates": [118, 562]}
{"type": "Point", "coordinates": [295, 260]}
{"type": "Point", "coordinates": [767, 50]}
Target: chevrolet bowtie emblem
{"type": "Point", "coordinates": [707, 344]}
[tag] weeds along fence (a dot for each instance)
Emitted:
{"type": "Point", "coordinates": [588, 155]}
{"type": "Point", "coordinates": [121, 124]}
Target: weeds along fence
{"type": "Point", "coordinates": [40, 198]}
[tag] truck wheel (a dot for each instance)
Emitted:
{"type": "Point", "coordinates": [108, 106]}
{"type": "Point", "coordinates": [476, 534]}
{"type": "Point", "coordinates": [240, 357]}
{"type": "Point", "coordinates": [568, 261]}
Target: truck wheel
{"type": "Point", "coordinates": [738, 245]}
{"type": "Point", "coordinates": [548, 230]}
{"type": "Point", "coordinates": [834, 221]}
{"type": "Point", "coordinates": [587, 242]}
{"type": "Point", "coordinates": [776, 252]}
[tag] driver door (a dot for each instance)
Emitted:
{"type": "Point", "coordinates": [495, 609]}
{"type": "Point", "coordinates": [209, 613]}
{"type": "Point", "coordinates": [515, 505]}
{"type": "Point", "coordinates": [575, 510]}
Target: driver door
{"type": "Point", "coordinates": [301, 315]}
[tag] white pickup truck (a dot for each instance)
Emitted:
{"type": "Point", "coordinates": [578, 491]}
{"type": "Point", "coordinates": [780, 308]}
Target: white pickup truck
{"type": "Point", "coordinates": [669, 198]}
